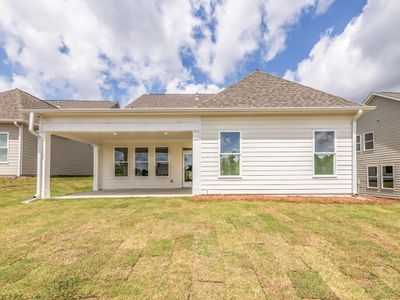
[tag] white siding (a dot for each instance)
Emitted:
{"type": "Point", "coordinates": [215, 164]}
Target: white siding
{"type": "Point", "coordinates": [276, 155]}
{"type": "Point", "coordinates": [174, 180]}
{"type": "Point", "coordinates": [10, 168]}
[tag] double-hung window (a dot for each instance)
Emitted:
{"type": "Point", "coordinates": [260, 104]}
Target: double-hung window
{"type": "Point", "coordinates": [121, 161]}
{"type": "Point", "coordinates": [369, 143]}
{"type": "Point", "coordinates": [3, 147]}
{"type": "Point", "coordinates": [324, 153]}
{"type": "Point", "coordinates": [229, 154]}
{"type": "Point", "coordinates": [358, 143]}
{"type": "Point", "coordinates": [388, 177]}
{"type": "Point", "coordinates": [372, 177]}
{"type": "Point", "coordinates": [141, 161]}
{"type": "Point", "coordinates": [162, 161]}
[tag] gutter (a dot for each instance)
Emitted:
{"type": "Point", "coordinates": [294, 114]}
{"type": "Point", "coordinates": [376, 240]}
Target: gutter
{"type": "Point", "coordinates": [355, 185]}
{"type": "Point", "coordinates": [20, 147]}
{"type": "Point", "coordinates": [32, 124]}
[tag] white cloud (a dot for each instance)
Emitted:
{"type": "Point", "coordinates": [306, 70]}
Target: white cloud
{"type": "Point", "coordinates": [179, 87]}
{"type": "Point", "coordinates": [364, 57]}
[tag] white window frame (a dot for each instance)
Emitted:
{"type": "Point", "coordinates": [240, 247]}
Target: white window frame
{"type": "Point", "coordinates": [127, 161]}
{"type": "Point", "coordinates": [220, 153]}
{"type": "Point", "coordinates": [358, 135]}
{"type": "Point", "coordinates": [7, 147]}
{"type": "Point", "coordinates": [140, 161]}
{"type": "Point", "coordinates": [324, 153]}
{"type": "Point", "coordinates": [385, 188]}
{"type": "Point", "coordinates": [155, 162]}
{"type": "Point", "coordinates": [373, 140]}
{"type": "Point", "coordinates": [377, 177]}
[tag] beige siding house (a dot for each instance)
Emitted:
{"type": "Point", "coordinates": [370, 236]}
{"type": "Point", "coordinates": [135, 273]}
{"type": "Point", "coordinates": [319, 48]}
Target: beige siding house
{"type": "Point", "coordinates": [18, 147]}
{"type": "Point", "coordinates": [378, 155]}
{"type": "Point", "coordinates": [261, 135]}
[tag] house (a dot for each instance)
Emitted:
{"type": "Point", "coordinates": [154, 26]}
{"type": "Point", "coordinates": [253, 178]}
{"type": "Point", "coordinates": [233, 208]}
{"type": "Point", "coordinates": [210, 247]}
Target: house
{"type": "Point", "coordinates": [378, 146]}
{"type": "Point", "coordinates": [261, 135]}
{"type": "Point", "coordinates": [18, 147]}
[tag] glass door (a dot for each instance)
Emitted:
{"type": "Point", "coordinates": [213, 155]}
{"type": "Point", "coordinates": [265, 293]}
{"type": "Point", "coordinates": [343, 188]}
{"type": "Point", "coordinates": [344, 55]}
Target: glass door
{"type": "Point", "coordinates": [187, 169]}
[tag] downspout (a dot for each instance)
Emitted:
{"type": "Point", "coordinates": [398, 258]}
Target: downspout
{"type": "Point", "coordinates": [39, 154]}
{"type": "Point", "coordinates": [20, 147]}
{"type": "Point", "coordinates": [354, 152]}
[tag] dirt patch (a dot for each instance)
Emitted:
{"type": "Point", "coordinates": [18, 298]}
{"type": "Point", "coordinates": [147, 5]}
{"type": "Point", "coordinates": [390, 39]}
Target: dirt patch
{"type": "Point", "coordinates": [294, 199]}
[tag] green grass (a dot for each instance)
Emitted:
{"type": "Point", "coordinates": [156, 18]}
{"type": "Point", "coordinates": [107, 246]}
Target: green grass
{"type": "Point", "coordinates": [178, 249]}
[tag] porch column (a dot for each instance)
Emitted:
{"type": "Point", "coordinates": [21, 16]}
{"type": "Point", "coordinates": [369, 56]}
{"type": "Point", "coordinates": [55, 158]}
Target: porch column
{"type": "Point", "coordinates": [46, 138]}
{"type": "Point", "coordinates": [96, 167]}
{"type": "Point", "coordinates": [196, 153]}
{"type": "Point", "coordinates": [39, 167]}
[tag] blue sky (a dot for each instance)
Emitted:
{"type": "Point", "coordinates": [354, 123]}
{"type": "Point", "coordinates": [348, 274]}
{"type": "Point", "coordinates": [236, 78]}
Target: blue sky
{"type": "Point", "coordinates": [81, 49]}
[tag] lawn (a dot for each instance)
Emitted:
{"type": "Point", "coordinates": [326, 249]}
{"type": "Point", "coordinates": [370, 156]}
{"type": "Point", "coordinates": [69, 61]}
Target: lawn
{"type": "Point", "coordinates": [180, 249]}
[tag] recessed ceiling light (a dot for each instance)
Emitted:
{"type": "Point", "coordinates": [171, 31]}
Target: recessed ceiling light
{"type": "Point", "coordinates": [165, 133]}
{"type": "Point", "coordinates": [114, 133]}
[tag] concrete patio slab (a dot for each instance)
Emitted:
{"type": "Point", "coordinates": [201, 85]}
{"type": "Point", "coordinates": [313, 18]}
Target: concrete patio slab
{"type": "Point", "coordinates": [131, 193]}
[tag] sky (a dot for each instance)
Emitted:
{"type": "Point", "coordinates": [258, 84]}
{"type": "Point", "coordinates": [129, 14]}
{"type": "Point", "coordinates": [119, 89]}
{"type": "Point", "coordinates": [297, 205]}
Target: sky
{"type": "Point", "coordinates": [119, 50]}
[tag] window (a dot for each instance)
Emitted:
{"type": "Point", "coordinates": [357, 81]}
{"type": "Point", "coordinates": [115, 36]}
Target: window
{"type": "Point", "coordinates": [358, 143]}
{"type": "Point", "coordinates": [141, 161]}
{"type": "Point", "coordinates": [121, 161]}
{"type": "Point", "coordinates": [3, 147]}
{"type": "Point", "coordinates": [372, 177]}
{"type": "Point", "coordinates": [387, 177]}
{"type": "Point", "coordinates": [369, 141]}
{"type": "Point", "coordinates": [162, 161]}
{"type": "Point", "coordinates": [324, 153]}
{"type": "Point", "coordinates": [229, 153]}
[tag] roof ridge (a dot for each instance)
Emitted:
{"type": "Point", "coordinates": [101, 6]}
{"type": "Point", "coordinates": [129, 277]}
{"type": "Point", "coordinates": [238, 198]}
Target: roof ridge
{"type": "Point", "coordinates": [37, 98]}
{"type": "Point", "coordinates": [86, 100]}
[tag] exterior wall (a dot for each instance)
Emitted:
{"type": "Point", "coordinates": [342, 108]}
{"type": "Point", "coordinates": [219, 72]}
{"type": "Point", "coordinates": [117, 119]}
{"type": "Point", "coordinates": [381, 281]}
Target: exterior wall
{"type": "Point", "coordinates": [29, 153]}
{"type": "Point", "coordinates": [11, 167]}
{"type": "Point", "coordinates": [276, 155]}
{"type": "Point", "coordinates": [384, 121]}
{"type": "Point", "coordinates": [174, 180]}
{"type": "Point", "coordinates": [70, 158]}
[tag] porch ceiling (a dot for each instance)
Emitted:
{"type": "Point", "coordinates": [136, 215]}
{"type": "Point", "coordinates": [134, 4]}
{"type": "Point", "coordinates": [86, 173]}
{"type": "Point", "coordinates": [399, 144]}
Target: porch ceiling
{"type": "Point", "coordinates": [101, 137]}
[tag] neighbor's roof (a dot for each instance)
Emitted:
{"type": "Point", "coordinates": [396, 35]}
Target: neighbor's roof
{"type": "Point", "coordinates": [14, 100]}
{"type": "Point", "coordinates": [65, 104]}
{"type": "Point", "coordinates": [257, 90]}
{"type": "Point", "coordinates": [389, 94]}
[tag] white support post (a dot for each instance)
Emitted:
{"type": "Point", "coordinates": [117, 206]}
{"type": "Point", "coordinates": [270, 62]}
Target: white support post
{"type": "Point", "coordinates": [96, 167]}
{"type": "Point", "coordinates": [196, 152]}
{"type": "Point", "coordinates": [39, 167]}
{"type": "Point", "coordinates": [46, 158]}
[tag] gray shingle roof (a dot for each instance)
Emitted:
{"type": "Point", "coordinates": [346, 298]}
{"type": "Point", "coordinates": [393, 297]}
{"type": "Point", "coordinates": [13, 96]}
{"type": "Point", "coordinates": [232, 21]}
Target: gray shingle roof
{"type": "Point", "coordinates": [83, 104]}
{"type": "Point", "coordinates": [168, 100]}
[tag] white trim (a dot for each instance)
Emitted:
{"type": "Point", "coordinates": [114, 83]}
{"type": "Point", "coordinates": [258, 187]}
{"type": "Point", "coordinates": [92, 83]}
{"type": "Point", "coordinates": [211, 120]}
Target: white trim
{"type": "Point", "coordinates": [373, 140]}
{"type": "Point", "coordinates": [334, 175]}
{"type": "Point", "coordinates": [184, 183]}
{"type": "Point", "coordinates": [358, 135]}
{"type": "Point", "coordinates": [8, 147]}
{"type": "Point", "coordinates": [155, 162]}
{"type": "Point", "coordinates": [374, 94]}
{"type": "Point", "coordinates": [385, 188]}
{"type": "Point", "coordinates": [140, 161]}
{"type": "Point", "coordinates": [220, 153]}
{"type": "Point", "coordinates": [377, 183]}
{"type": "Point", "coordinates": [127, 161]}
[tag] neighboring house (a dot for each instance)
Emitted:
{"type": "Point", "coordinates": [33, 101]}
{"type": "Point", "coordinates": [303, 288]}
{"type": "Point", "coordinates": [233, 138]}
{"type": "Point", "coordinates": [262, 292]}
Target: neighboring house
{"type": "Point", "coordinates": [378, 146]}
{"type": "Point", "coordinates": [18, 147]}
{"type": "Point", "coordinates": [261, 135]}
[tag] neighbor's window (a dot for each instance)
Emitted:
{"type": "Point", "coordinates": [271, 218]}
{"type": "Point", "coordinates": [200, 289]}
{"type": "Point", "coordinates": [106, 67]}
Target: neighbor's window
{"type": "Point", "coordinates": [162, 161]}
{"type": "Point", "coordinates": [358, 143]}
{"type": "Point", "coordinates": [369, 141]}
{"type": "Point", "coordinates": [387, 177]}
{"type": "Point", "coordinates": [3, 147]}
{"type": "Point", "coordinates": [372, 174]}
{"type": "Point", "coordinates": [121, 161]}
{"type": "Point", "coordinates": [229, 153]}
{"type": "Point", "coordinates": [141, 161]}
{"type": "Point", "coordinates": [324, 153]}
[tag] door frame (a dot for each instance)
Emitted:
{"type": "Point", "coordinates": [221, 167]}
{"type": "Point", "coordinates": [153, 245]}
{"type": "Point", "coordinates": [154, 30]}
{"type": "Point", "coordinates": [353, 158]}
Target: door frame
{"type": "Point", "coordinates": [186, 184]}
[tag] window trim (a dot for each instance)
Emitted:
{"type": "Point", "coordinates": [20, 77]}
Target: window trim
{"type": "Point", "coordinates": [8, 147]}
{"type": "Point", "coordinates": [334, 154]}
{"type": "Point", "coordinates": [358, 135]}
{"type": "Point", "coordinates": [373, 140]}
{"type": "Point", "coordinates": [385, 188]}
{"type": "Point", "coordinates": [148, 161]}
{"type": "Point", "coordinates": [377, 177]}
{"type": "Point", "coordinates": [155, 162]}
{"type": "Point", "coordinates": [220, 153]}
{"type": "Point", "coordinates": [114, 162]}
